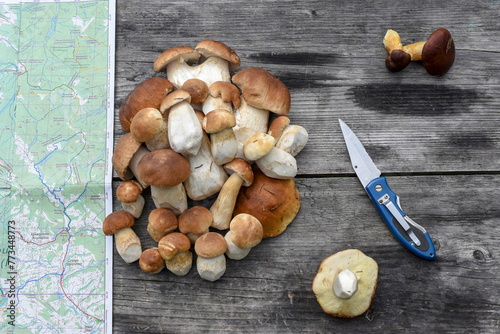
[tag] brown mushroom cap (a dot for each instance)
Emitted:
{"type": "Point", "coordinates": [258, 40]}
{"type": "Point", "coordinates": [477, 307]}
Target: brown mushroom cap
{"type": "Point", "coordinates": [246, 231]}
{"type": "Point", "coordinates": [186, 52]}
{"type": "Point", "coordinates": [197, 88]}
{"type": "Point", "coordinates": [173, 98]}
{"type": "Point", "coordinates": [210, 48]}
{"type": "Point", "coordinates": [210, 245]}
{"type": "Point", "coordinates": [151, 261]}
{"type": "Point", "coordinates": [262, 90]}
{"type": "Point", "coordinates": [242, 168]}
{"type": "Point", "coordinates": [258, 146]}
{"type": "Point", "coordinates": [218, 120]}
{"type": "Point", "coordinates": [116, 221]}
{"type": "Point", "coordinates": [124, 151]}
{"type": "Point", "coordinates": [147, 94]}
{"type": "Point", "coordinates": [172, 244]}
{"type": "Point", "coordinates": [196, 219]}
{"type": "Point", "coordinates": [363, 266]}
{"type": "Point", "coordinates": [397, 60]}
{"type": "Point", "coordinates": [226, 91]}
{"type": "Point", "coordinates": [128, 191]}
{"type": "Point", "coordinates": [163, 168]}
{"type": "Point", "coordinates": [161, 221]}
{"type": "Point", "coordinates": [146, 124]}
{"type": "Point", "coordinates": [275, 203]}
{"type": "Point", "coordinates": [438, 53]}
{"type": "Point", "coordinates": [277, 126]}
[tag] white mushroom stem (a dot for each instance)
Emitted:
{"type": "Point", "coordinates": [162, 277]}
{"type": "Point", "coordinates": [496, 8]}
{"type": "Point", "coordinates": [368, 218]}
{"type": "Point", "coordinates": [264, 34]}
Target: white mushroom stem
{"type": "Point", "coordinates": [161, 139]}
{"type": "Point", "coordinates": [223, 207]}
{"type": "Point", "coordinates": [345, 284]}
{"type": "Point", "coordinates": [173, 198]}
{"type": "Point", "coordinates": [184, 130]}
{"type": "Point", "coordinates": [249, 121]}
{"type": "Point", "coordinates": [181, 264]}
{"type": "Point", "coordinates": [134, 208]}
{"type": "Point", "coordinates": [211, 70]}
{"type": "Point", "coordinates": [234, 252]}
{"type": "Point", "coordinates": [293, 139]}
{"type": "Point", "coordinates": [132, 167]}
{"type": "Point", "coordinates": [278, 164]}
{"type": "Point", "coordinates": [224, 146]}
{"type": "Point", "coordinates": [128, 245]}
{"type": "Point", "coordinates": [206, 177]}
{"type": "Point", "coordinates": [214, 103]}
{"type": "Point", "coordinates": [211, 269]}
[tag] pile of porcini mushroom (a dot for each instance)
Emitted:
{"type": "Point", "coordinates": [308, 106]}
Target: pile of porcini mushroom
{"type": "Point", "coordinates": [206, 129]}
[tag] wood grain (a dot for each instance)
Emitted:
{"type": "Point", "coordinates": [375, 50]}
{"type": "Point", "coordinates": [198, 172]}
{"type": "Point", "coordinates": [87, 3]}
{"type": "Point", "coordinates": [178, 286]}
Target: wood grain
{"type": "Point", "coordinates": [436, 138]}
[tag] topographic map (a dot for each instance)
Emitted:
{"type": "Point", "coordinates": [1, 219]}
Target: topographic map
{"type": "Point", "coordinates": [56, 66]}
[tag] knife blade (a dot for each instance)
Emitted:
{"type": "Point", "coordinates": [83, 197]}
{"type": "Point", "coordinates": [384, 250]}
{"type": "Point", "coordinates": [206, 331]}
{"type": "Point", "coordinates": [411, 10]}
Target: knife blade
{"type": "Point", "coordinates": [410, 234]}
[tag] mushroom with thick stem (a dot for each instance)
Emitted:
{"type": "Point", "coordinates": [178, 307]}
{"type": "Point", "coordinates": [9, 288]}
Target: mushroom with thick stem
{"type": "Point", "coordinates": [185, 133]}
{"type": "Point", "coordinates": [211, 262]}
{"type": "Point", "coordinates": [161, 221]}
{"type": "Point", "coordinates": [150, 127]}
{"type": "Point", "coordinates": [174, 249]}
{"type": "Point", "coordinates": [345, 283]}
{"type": "Point", "coordinates": [245, 232]}
{"type": "Point", "coordinates": [240, 175]}
{"type": "Point", "coordinates": [151, 261]}
{"type": "Point", "coordinates": [195, 221]}
{"type": "Point", "coordinates": [129, 194]}
{"type": "Point", "coordinates": [206, 177]}
{"type": "Point", "coordinates": [165, 170]}
{"type": "Point", "coordinates": [176, 62]}
{"type": "Point", "coordinates": [272, 161]}
{"type": "Point", "coordinates": [261, 93]}
{"type": "Point", "coordinates": [147, 94]}
{"type": "Point", "coordinates": [293, 139]}
{"type": "Point", "coordinates": [127, 154]}
{"type": "Point", "coordinates": [128, 244]}
{"type": "Point", "coordinates": [397, 59]}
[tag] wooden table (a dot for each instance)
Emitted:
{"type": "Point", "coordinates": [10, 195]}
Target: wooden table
{"type": "Point", "coordinates": [437, 138]}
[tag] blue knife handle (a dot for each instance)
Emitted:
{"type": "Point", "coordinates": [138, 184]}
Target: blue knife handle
{"type": "Point", "coordinates": [378, 189]}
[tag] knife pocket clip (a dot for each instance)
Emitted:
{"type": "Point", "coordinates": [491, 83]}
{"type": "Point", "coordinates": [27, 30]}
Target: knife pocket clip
{"type": "Point", "coordinates": [386, 201]}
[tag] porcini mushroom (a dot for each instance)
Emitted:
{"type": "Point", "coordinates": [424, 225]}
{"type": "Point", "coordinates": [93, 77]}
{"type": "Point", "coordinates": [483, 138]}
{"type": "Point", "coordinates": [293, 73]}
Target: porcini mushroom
{"type": "Point", "coordinates": [174, 249]}
{"type": "Point", "coordinates": [275, 203]}
{"type": "Point", "coordinates": [261, 93]}
{"type": "Point", "coordinates": [240, 175]}
{"type": "Point", "coordinates": [129, 194]}
{"type": "Point", "coordinates": [151, 261]}
{"type": "Point", "coordinates": [176, 62]}
{"type": "Point", "coordinates": [397, 59]}
{"type": "Point", "coordinates": [345, 283]}
{"type": "Point", "coordinates": [165, 170]}
{"type": "Point", "coordinates": [150, 127]}
{"type": "Point", "coordinates": [211, 262]}
{"type": "Point", "coordinates": [161, 221]}
{"type": "Point", "coordinates": [127, 154]}
{"type": "Point", "coordinates": [128, 244]}
{"type": "Point", "coordinates": [147, 94]}
{"type": "Point", "coordinates": [195, 222]}
{"type": "Point", "coordinates": [293, 139]}
{"type": "Point", "coordinates": [245, 232]}
{"type": "Point", "coordinates": [184, 130]}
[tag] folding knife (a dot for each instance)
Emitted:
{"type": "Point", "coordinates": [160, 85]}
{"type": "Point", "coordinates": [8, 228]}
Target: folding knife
{"type": "Point", "coordinates": [411, 235]}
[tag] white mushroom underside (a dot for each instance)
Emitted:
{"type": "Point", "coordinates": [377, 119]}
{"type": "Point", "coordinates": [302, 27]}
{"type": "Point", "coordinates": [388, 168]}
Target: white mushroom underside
{"type": "Point", "coordinates": [234, 252]}
{"type": "Point", "coordinates": [215, 103]}
{"type": "Point", "coordinates": [223, 146]}
{"type": "Point", "coordinates": [211, 269]}
{"type": "Point", "coordinates": [173, 198]}
{"type": "Point", "coordinates": [211, 70]}
{"type": "Point", "coordinates": [184, 129]}
{"type": "Point", "coordinates": [181, 264]}
{"type": "Point", "coordinates": [206, 176]}
{"type": "Point", "coordinates": [134, 208]}
{"type": "Point", "coordinates": [278, 164]}
{"type": "Point", "coordinates": [293, 139]}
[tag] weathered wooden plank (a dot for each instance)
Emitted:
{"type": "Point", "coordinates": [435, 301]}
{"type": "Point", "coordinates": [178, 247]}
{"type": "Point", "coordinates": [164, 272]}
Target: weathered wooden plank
{"type": "Point", "coordinates": [270, 291]}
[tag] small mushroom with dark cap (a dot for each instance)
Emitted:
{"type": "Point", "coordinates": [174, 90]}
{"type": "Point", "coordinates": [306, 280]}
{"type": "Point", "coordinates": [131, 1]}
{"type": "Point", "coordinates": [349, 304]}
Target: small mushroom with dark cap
{"type": "Point", "coordinates": [129, 194]}
{"type": "Point", "coordinates": [195, 221]}
{"type": "Point", "coordinates": [174, 249]}
{"type": "Point", "coordinates": [211, 262]}
{"type": "Point", "coordinates": [161, 221]}
{"type": "Point", "coordinates": [397, 59]}
{"type": "Point", "coordinates": [128, 244]}
{"type": "Point", "coordinates": [245, 232]}
{"type": "Point", "coordinates": [151, 261]}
